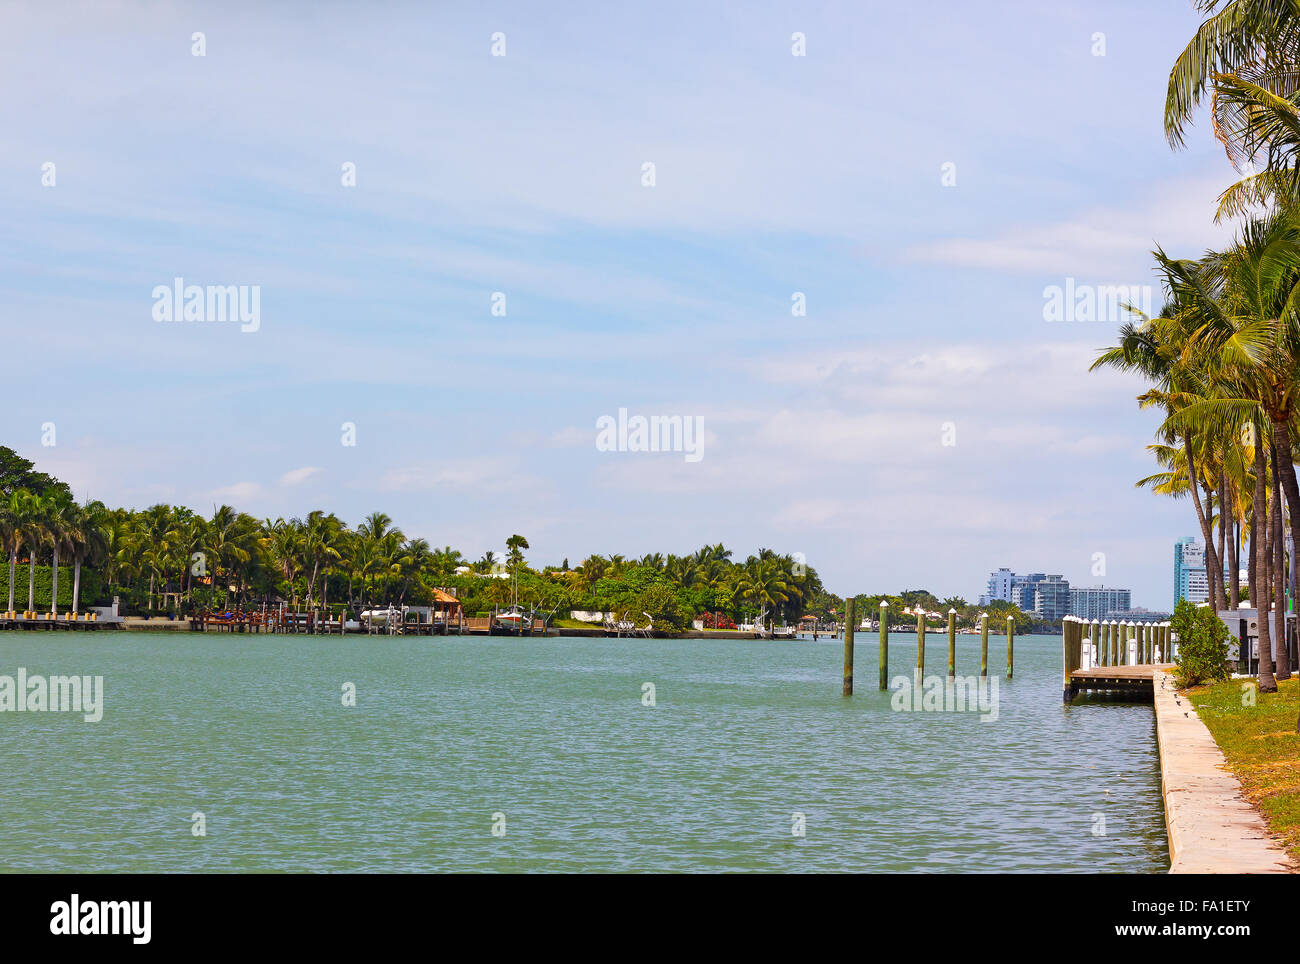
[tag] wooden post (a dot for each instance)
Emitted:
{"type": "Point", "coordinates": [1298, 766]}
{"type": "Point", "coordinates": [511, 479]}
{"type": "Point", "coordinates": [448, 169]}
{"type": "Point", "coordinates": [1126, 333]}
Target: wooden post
{"type": "Point", "coordinates": [1114, 643]}
{"type": "Point", "coordinates": [984, 644]}
{"type": "Point", "coordinates": [848, 646]}
{"type": "Point", "coordinates": [884, 644]}
{"type": "Point", "coordinates": [920, 642]}
{"type": "Point", "coordinates": [952, 643]}
{"type": "Point", "coordinates": [1104, 652]}
{"type": "Point", "coordinates": [1097, 644]}
{"type": "Point", "coordinates": [1069, 660]}
{"type": "Point", "coordinates": [1011, 635]}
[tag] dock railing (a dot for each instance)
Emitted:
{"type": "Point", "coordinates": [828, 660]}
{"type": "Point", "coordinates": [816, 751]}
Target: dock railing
{"type": "Point", "coordinates": [1092, 647]}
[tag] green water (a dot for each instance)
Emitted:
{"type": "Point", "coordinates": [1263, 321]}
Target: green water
{"type": "Point", "coordinates": [447, 732]}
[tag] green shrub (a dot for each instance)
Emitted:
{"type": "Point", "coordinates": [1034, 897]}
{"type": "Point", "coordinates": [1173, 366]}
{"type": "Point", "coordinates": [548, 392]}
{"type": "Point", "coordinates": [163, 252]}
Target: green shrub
{"type": "Point", "coordinates": [90, 587]}
{"type": "Point", "coordinates": [662, 603]}
{"type": "Point", "coordinates": [1202, 645]}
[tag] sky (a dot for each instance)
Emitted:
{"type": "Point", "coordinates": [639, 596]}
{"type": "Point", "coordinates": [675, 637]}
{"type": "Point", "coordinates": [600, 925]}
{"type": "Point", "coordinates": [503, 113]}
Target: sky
{"type": "Point", "coordinates": [919, 175]}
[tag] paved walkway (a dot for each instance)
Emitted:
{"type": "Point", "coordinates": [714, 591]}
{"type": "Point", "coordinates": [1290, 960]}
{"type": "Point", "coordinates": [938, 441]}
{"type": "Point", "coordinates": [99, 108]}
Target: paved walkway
{"type": "Point", "coordinates": [1212, 828]}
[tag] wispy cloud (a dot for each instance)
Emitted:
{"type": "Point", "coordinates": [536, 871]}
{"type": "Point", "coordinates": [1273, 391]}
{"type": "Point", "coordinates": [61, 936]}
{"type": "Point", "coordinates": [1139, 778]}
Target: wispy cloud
{"type": "Point", "coordinates": [298, 476]}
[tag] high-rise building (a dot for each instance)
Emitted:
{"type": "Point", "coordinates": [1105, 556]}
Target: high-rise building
{"type": "Point", "coordinates": [999, 587]}
{"type": "Point", "coordinates": [1052, 597]}
{"type": "Point", "coordinates": [1096, 602]}
{"type": "Point", "coordinates": [1190, 581]}
{"type": "Point", "coordinates": [1024, 592]}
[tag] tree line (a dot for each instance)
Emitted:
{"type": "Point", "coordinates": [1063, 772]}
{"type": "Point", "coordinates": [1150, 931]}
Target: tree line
{"type": "Point", "coordinates": [172, 559]}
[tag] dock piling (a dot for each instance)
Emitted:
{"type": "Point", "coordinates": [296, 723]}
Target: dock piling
{"type": "Point", "coordinates": [1011, 635]}
{"type": "Point", "coordinates": [884, 644]}
{"type": "Point", "coordinates": [984, 644]}
{"type": "Point", "coordinates": [1069, 658]}
{"type": "Point", "coordinates": [920, 642]}
{"type": "Point", "coordinates": [952, 643]}
{"type": "Point", "coordinates": [848, 646]}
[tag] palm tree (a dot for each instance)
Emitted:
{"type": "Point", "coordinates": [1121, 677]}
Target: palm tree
{"type": "Point", "coordinates": [59, 521]}
{"type": "Point", "coordinates": [320, 548]}
{"type": "Point", "coordinates": [34, 535]}
{"type": "Point", "coordinates": [12, 513]}
{"type": "Point", "coordinates": [90, 544]}
{"type": "Point", "coordinates": [1242, 34]}
{"type": "Point", "coordinates": [413, 559]}
{"type": "Point", "coordinates": [763, 583]}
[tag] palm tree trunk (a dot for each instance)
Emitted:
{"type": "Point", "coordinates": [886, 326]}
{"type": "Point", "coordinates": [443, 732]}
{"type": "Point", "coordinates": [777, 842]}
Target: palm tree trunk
{"type": "Point", "coordinates": [1259, 550]}
{"type": "Point", "coordinates": [76, 583]}
{"type": "Point", "coordinates": [31, 578]}
{"type": "Point", "coordinates": [1282, 669]}
{"type": "Point", "coordinates": [1214, 574]}
{"type": "Point", "coordinates": [13, 568]}
{"type": "Point", "coordinates": [1234, 563]}
{"type": "Point", "coordinates": [54, 582]}
{"type": "Point", "coordinates": [1211, 561]}
{"type": "Point", "coordinates": [1225, 522]}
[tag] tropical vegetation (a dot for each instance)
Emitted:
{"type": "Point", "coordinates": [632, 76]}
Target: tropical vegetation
{"type": "Point", "coordinates": [1222, 356]}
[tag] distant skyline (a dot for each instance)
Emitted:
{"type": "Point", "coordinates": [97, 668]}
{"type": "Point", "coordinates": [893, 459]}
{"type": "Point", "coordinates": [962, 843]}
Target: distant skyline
{"type": "Point", "coordinates": [922, 200]}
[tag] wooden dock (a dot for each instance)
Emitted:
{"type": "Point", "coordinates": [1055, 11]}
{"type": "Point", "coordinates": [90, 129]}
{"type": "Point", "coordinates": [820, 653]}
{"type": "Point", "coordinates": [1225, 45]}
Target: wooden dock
{"type": "Point", "coordinates": [1114, 657]}
{"type": "Point", "coordinates": [34, 620]}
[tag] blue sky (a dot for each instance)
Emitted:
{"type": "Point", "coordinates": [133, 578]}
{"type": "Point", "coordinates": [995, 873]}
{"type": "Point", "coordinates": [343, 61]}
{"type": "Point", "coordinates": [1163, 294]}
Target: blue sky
{"type": "Point", "coordinates": [522, 174]}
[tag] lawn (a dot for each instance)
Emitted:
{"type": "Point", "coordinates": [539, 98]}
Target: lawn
{"type": "Point", "coordinates": [572, 624]}
{"type": "Point", "coordinates": [1262, 748]}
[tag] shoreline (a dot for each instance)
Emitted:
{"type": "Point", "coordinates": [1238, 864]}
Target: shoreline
{"type": "Point", "coordinates": [1212, 827]}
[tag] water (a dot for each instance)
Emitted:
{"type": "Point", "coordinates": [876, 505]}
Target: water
{"type": "Point", "coordinates": [552, 733]}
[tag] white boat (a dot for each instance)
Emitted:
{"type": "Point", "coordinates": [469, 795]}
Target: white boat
{"type": "Point", "coordinates": [514, 619]}
{"type": "Point", "coordinates": [381, 617]}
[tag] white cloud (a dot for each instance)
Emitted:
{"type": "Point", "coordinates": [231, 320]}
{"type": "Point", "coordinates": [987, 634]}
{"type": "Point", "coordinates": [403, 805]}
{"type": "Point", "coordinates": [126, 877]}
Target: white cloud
{"type": "Point", "coordinates": [1110, 242]}
{"type": "Point", "coordinates": [297, 476]}
{"type": "Point", "coordinates": [238, 494]}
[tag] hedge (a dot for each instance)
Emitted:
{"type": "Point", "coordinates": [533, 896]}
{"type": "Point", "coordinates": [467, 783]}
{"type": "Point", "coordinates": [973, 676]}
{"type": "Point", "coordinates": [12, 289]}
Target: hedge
{"type": "Point", "coordinates": [90, 586]}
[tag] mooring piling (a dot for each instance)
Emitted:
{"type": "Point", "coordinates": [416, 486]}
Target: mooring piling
{"type": "Point", "coordinates": [848, 647]}
{"type": "Point", "coordinates": [884, 644]}
{"type": "Point", "coordinates": [984, 644]}
{"type": "Point", "coordinates": [952, 643]}
{"type": "Point", "coordinates": [920, 642]}
{"type": "Point", "coordinates": [1011, 635]}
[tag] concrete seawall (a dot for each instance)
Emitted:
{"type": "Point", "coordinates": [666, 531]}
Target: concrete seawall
{"type": "Point", "coordinates": [1212, 828]}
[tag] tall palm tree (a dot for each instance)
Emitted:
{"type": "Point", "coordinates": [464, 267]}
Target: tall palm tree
{"type": "Point", "coordinates": [35, 535]}
{"type": "Point", "coordinates": [60, 521]}
{"type": "Point", "coordinates": [763, 583]}
{"type": "Point", "coordinates": [1251, 34]}
{"type": "Point", "coordinates": [12, 512]}
{"type": "Point", "coordinates": [89, 545]}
